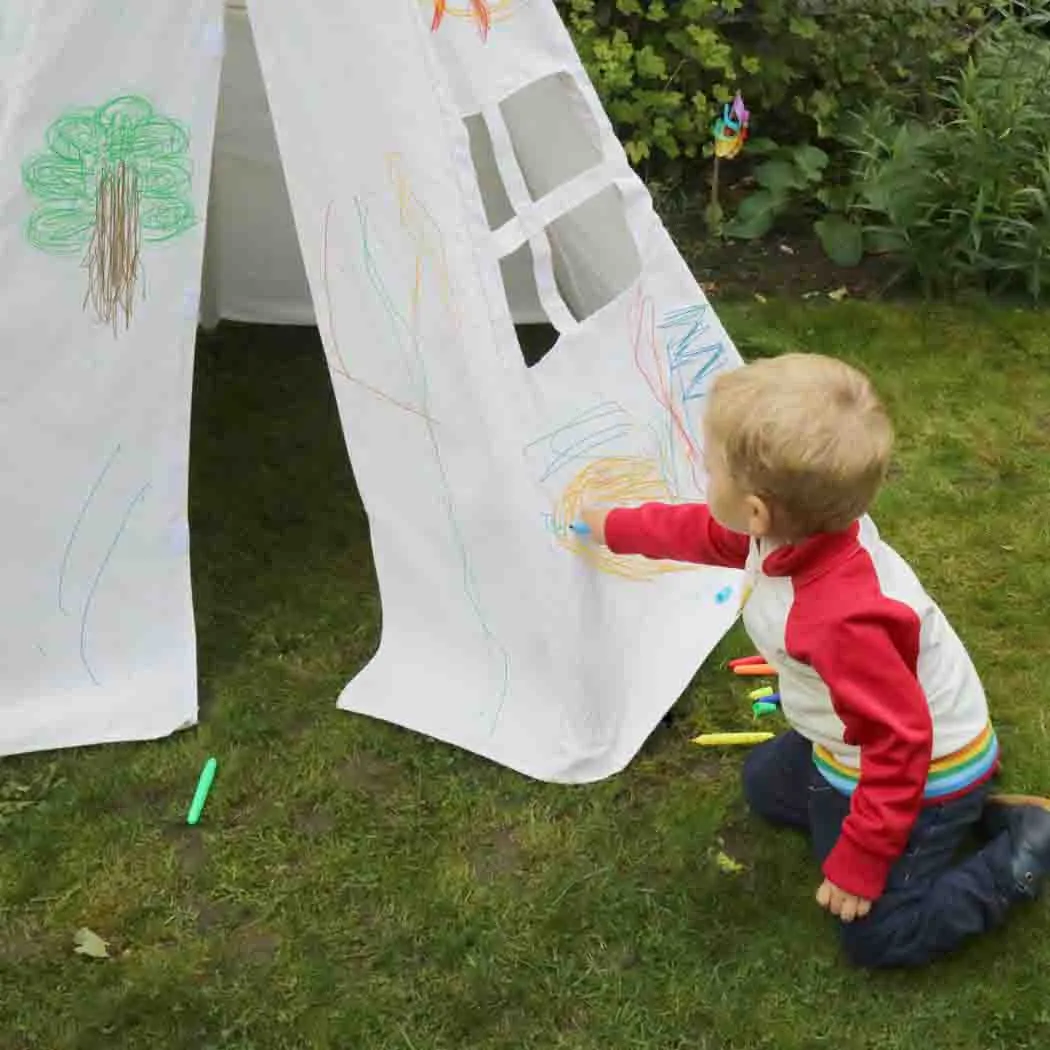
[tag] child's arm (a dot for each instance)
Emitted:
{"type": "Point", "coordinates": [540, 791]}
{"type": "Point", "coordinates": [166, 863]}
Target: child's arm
{"type": "Point", "coordinates": [676, 532]}
{"type": "Point", "coordinates": [869, 663]}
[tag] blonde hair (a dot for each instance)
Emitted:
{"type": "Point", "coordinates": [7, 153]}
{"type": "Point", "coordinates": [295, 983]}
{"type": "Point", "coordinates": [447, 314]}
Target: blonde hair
{"type": "Point", "coordinates": [806, 433]}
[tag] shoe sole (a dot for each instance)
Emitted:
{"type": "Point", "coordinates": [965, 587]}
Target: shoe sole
{"type": "Point", "coordinates": [1020, 800]}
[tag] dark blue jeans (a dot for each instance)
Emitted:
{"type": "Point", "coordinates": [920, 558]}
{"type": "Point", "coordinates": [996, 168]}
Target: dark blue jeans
{"type": "Point", "coordinates": [933, 902]}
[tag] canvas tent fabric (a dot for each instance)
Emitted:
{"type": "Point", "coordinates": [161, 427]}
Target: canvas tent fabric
{"type": "Point", "coordinates": [253, 266]}
{"type": "Point", "coordinates": [503, 632]}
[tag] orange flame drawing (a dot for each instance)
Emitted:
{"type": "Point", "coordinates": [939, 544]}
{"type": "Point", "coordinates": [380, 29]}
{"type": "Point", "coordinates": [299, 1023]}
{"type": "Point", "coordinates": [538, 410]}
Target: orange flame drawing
{"type": "Point", "coordinates": [479, 11]}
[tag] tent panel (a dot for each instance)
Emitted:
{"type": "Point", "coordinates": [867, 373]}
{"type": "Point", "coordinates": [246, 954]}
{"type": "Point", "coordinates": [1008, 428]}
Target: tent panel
{"type": "Point", "coordinates": [104, 167]}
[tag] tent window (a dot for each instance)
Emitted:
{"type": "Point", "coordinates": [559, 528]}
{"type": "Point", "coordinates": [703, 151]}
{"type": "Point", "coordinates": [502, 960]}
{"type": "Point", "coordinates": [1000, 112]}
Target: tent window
{"type": "Point", "coordinates": [536, 335]}
{"type": "Point", "coordinates": [553, 131]}
{"type": "Point", "coordinates": [498, 209]}
{"type": "Point", "coordinates": [525, 151]}
{"type": "Point", "coordinates": [595, 257]}
{"type": "Point", "coordinates": [519, 278]}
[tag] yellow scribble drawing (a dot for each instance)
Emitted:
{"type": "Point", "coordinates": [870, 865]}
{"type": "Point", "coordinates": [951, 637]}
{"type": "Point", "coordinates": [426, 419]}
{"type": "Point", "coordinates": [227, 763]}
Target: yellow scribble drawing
{"type": "Point", "coordinates": [612, 481]}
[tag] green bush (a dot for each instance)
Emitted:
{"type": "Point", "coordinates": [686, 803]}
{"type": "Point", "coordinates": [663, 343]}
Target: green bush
{"type": "Point", "coordinates": [965, 198]}
{"type": "Point", "coordinates": [664, 68]}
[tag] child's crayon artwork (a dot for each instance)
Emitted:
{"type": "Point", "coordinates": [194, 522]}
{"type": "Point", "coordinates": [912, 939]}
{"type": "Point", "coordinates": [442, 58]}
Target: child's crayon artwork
{"type": "Point", "coordinates": [106, 123]}
{"type": "Point", "coordinates": [505, 631]}
{"type": "Point", "coordinates": [109, 179]}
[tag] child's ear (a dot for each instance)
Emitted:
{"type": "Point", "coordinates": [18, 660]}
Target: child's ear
{"type": "Point", "coordinates": [759, 516]}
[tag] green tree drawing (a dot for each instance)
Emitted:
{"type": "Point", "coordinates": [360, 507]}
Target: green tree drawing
{"type": "Point", "coordinates": [110, 179]}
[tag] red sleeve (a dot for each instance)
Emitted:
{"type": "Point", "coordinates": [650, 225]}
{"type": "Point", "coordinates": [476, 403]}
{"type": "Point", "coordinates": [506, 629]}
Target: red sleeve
{"type": "Point", "coordinates": [675, 532]}
{"type": "Point", "coordinates": [869, 663]}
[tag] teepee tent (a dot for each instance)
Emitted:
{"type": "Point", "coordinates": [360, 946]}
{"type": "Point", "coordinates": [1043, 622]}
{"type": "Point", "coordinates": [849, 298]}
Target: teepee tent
{"type": "Point", "coordinates": [434, 152]}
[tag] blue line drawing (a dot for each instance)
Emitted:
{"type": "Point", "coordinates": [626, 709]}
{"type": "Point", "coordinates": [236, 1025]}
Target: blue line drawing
{"type": "Point", "coordinates": [139, 496]}
{"type": "Point", "coordinates": [408, 341]}
{"type": "Point", "coordinates": [691, 364]}
{"type": "Point", "coordinates": [578, 438]}
{"type": "Point", "coordinates": [67, 553]}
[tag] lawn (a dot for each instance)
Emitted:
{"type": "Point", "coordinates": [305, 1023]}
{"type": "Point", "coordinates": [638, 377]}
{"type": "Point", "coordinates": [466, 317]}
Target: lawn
{"type": "Point", "coordinates": [355, 886]}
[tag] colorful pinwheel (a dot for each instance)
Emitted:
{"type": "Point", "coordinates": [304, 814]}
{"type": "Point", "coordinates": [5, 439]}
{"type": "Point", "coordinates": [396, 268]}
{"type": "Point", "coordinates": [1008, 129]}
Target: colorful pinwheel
{"type": "Point", "coordinates": [730, 130]}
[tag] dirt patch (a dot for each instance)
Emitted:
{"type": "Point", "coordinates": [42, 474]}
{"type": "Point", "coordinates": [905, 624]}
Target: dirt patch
{"type": "Point", "coordinates": [368, 774]}
{"type": "Point", "coordinates": [220, 915]}
{"type": "Point", "coordinates": [190, 849]}
{"type": "Point", "coordinates": [153, 802]}
{"type": "Point", "coordinates": [253, 945]}
{"type": "Point", "coordinates": [21, 946]}
{"type": "Point", "coordinates": [317, 824]}
{"type": "Point", "coordinates": [789, 266]}
{"type": "Point", "coordinates": [738, 842]}
{"type": "Point", "coordinates": [496, 857]}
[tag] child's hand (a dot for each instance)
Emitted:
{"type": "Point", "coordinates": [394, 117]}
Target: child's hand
{"type": "Point", "coordinates": [594, 519]}
{"type": "Point", "coordinates": [845, 905]}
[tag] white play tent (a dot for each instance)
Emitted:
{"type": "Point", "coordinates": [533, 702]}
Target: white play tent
{"type": "Point", "coordinates": [503, 632]}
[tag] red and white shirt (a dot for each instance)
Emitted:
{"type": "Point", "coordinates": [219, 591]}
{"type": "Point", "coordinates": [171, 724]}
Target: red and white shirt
{"type": "Point", "coordinates": [870, 671]}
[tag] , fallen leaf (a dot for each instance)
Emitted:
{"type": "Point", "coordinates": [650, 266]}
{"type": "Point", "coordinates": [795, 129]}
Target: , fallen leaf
{"type": "Point", "coordinates": [759, 297]}
{"type": "Point", "coordinates": [786, 249]}
{"type": "Point", "coordinates": [727, 864]}
{"type": "Point", "coordinates": [87, 942]}
{"type": "Point", "coordinates": [810, 295]}
{"type": "Point", "coordinates": [839, 294]}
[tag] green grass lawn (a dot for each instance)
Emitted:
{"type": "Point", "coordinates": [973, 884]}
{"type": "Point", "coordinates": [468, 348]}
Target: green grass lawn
{"type": "Point", "coordinates": [356, 886]}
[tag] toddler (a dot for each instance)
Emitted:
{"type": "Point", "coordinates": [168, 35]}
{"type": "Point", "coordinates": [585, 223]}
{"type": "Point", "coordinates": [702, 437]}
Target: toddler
{"type": "Point", "coordinates": [891, 751]}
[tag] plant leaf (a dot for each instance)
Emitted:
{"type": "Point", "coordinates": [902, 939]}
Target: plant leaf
{"type": "Point", "coordinates": [761, 146]}
{"type": "Point", "coordinates": [755, 216]}
{"type": "Point", "coordinates": [779, 176]}
{"type": "Point", "coordinates": [811, 161]}
{"type": "Point", "coordinates": [842, 240]}
{"type": "Point", "coordinates": [883, 240]}
{"type": "Point", "coordinates": [87, 942]}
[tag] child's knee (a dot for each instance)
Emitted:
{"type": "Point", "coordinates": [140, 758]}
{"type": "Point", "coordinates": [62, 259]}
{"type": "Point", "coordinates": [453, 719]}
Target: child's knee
{"type": "Point", "coordinates": [776, 780]}
{"type": "Point", "coordinates": [757, 784]}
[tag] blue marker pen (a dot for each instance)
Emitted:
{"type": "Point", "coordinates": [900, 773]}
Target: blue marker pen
{"type": "Point", "coordinates": [581, 528]}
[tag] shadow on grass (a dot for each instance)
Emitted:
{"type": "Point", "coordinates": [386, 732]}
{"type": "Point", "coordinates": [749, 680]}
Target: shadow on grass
{"type": "Point", "coordinates": [272, 494]}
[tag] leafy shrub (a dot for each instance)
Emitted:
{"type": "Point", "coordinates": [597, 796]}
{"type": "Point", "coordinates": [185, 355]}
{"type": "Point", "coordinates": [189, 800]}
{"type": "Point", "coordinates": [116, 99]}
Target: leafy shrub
{"type": "Point", "coordinates": [965, 198]}
{"type": "Point", "coordinates": [787, 175]}
{"type": "Point", "coordinates": [664, 68]}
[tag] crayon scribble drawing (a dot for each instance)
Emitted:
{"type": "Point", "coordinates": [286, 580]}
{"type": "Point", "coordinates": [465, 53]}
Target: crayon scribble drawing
{"type": "Point", "coordinates": [337, 361]}
{"type": "Point", "coordinates": [87, 600]}
{"type": "Point", "coordinates": [677, 369]}
{"type": "Point", "coordinates": [108, 180]}
{"type": "Point", "coordinates": [426, 279]}
{"type": "Point", "coordinates": [484, 13]}
{"type": "Point", "coordinates": [583, 449]}
{"type": "Point", "coordinates": [581, 437]}
{"type": "Point", "coordinates": [676, 357]}
{"type": "Point", "coordinates": [611, 481]}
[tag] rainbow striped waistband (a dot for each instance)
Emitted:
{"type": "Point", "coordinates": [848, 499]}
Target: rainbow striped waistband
{"type": "Point", "coordinates": [950, 776]}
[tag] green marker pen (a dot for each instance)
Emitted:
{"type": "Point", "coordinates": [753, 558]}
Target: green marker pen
{"type": "Point", "coordinates": [201, 794]}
